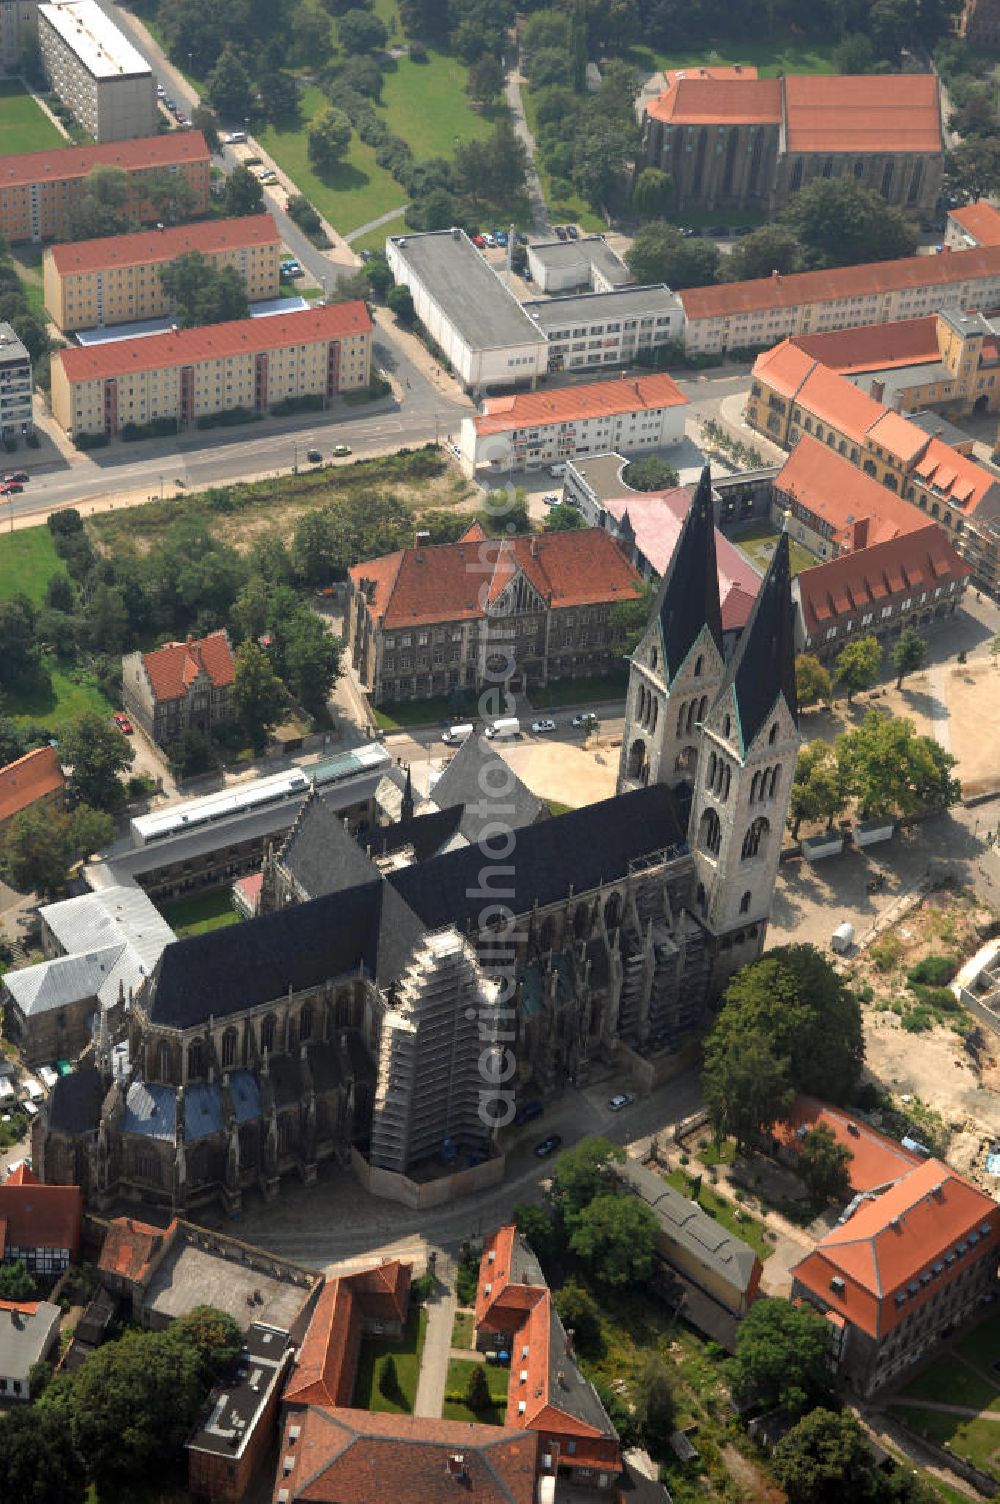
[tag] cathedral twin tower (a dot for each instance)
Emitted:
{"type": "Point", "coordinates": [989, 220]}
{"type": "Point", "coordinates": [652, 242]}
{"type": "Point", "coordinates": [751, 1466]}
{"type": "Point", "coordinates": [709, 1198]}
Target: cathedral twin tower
{"type": "Point", "coordinates": [723, 730]}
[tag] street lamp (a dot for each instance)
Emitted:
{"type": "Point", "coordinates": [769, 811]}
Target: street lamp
{"type": "Point", "coordinates": [295, 459]}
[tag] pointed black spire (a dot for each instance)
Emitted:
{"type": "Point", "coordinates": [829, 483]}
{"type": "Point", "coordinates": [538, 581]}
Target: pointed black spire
{"type": "Point", "coordinates": [689, 593]}
{"type": "Point", "coordinates": [763, 666]}
{"type": "Point", "coordinates": [406, 808]}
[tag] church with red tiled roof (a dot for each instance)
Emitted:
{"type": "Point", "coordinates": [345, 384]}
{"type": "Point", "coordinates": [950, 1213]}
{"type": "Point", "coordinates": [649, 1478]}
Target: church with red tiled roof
{"type": "Point", "coordinates": [184, 686]}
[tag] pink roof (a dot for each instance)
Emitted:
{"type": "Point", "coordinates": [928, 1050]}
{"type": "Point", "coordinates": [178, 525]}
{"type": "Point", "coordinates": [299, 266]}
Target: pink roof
{"type": "Point", "coordinates": [656, 517]}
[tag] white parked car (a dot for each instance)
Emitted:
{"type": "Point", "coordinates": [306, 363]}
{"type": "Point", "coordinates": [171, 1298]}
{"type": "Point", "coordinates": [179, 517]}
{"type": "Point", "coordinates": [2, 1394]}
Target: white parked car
{"type": "Point", "coordinates": [623, 1099]}
{"type": "Point", "coordinates": [546, 725]}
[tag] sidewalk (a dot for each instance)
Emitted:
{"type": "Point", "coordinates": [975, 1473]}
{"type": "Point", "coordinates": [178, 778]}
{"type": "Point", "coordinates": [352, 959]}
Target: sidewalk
{"type": "Point", "coordinates": [416, 351]}
{"type": "Point", "coordinates": [539, 208]}
{"type": "Point", "coordinates": [441, 1310]}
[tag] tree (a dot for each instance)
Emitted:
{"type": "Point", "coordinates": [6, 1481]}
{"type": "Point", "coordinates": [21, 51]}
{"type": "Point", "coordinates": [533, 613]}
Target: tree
{"type": "Point", "coordinates": [656, 1405]}
{"type": "Point", "coordinates": [976, 115]}
{"type": "Point", "coordinates": [772, 248]}
{"type": "Point", "coordinates": [564, 518]}
{"type": "Point", "coordinates": [839, 222]}
{"type": "Point", "coordinates": [788, 1023]}
{"type": "Point", "coordinates": [812, 682]}
{"type": "Point", "coordinates": [613, 1237]}
{"type": "Point", "coordinates": [257, 693]}
{"type": "Point", "coordinates": [477, 1390]}
{"type": "Point", "coordinates": [329, 137]}
{"type": "Point", "coordinates": [908, 653]}
{"type": "Point", "coordinates": [36, 852]}
{"type": "Point", "coordinates": [651, 473]}
{"type": "Point", "coordinates": [171, 197]}
{"type": "Point", "coordinates": [823, 1165]}
{"type": "Point", "coordinates": [628, 620]}
{"type": "Point", "coordinates": [492, 174]}
{"type": "Point", "coordinates": [582, 1173]}
{"type": "Point", "coordinates": [229, 87]}
{"type": "Point", "coordinates": [38, 1463]}
{"type": "Point", "coordinates": [486, 80]}
{"type": "Point", "coordinates": [15, 1282]}
{"type": "Point", "coordinates": [279, 97]}
{"type": "Point", "coordinates": [818, 791]}
{"type": "Point", "coordinates": [651, 192]}
{"type": "Point", "coordinates": [858, 664]}
{"type": "Point", "coordinates": [90, 830]}
{"type": "Point", "coordinates": [781, 1356]}
{"type": "Point", "coordinates": [202, 292]}
{"type": "Point", "coordinates": [244, 194]}
{"type": "Point", "coordinates": [102, 207]}
{"type": "Point", "coordinates": [361, 31]}
{"type": "Point", "coordinates": [400, 301]}
{"type": "Point", "coordinates": [215, 1338]}
{"type": "Point", "coordinates": [854, 53]}
{"type": "Point", "coordinates": [601, 149]}
{"type": "Point", "coordinates": [192, 753]}
{"type": "Point", "coordinates": [98, 754]}
{"type": "Point", "coordinates": [20, 657]}
{"type": "Point", "coordinates": [972, 170]}
{"type": "Point", "coordinates": [311, 658]}
{"type": "Point", "coordinates": [888, 768]}
{"type": "Point", "coordinates": [378, 275]}
{"type": "Point", "coordinates": [202, 119]}
{"type": "Point", "coordinates": [824, 1459]}
{"type": "Point", "coordinates": [388, 1378]}
{"type": "Point", "coordinates": [660, 253]}
{"type": "Point", "coordinates": [581, 1314]}
{"type": "Point", "coordinates": [541, 1230]}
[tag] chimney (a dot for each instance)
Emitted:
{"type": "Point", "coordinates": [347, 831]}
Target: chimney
{"type": "Point", "coordinates": [859, 537]}
{"type": "Point", "coordinates": [534, 547]}
{"type": "Point", "coordinates": [776, 274]}
{"type": "Point", "coordinates": [570, 1333]}
{"type": "Point", "coordinates": [877, 389]}
{"type": "Point", "coordinates": [421, 539]}
{"type": "Point", "coordinates": [456, 1466]}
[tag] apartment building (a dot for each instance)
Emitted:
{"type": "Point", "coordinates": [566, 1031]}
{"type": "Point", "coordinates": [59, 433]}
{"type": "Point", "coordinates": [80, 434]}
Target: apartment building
{"type": "Point", "coordinates": [195, 373]}
{"type": "Point", "coordinates": [606, 328]}
{"type": "Point", "coordinates": [37, 188]}
{"type": "Point", "coordinates": [793, 395]}
{"type": "Point", "coordinates": [972, 225]}
{"type": "Point", "coordinates": [18, 19]}
{"type": "Point", "coordinates": [184, 686]}
{"type": "Point", "coordinates": [16, 420]}
{"type": "Point", "coordinates": [904, 1268]}
{"type": "Point", "coordinates": [116, 280]}
{"type": "Point", "coordinates": [745, 315]}
{"type": "Point", "coordinates": [536, 428]}
{"type": "Point", "coordinates": [96, 71]}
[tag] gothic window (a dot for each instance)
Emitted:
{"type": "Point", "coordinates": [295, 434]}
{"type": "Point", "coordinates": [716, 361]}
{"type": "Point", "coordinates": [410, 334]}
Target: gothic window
{"type": "Point", "coordinates": [638, 760]}
{"type": "Point", "coordinates": [702, 707]}
{"type": "Point", "coordinates": [724, 782]}
{"type": "Point", "coordinates": [343, 1010]}
{"type": "Point", "coordinates": [306, 1022]}
{"type": "Point", "coordinates": [283, 1134]}
{"type": "Point", "coordinates": [915, 182]}
{"type": "Point", "coordinates": [859, 168]}
{"type": "Point", "coordinates": [229, 1049]}
{"type": "Point", "coordinates": [745, 902]}
{"type": "Point", "coordinates": [654, 659]}
{"type": "Point", "coordinates": [947, 519]}
{"type": "Point", "coordinates": [700, 898]}
{"type": "Point", "coordinates": [772, 735]}
{"type": "Point", "coordinates": [710, 775]}
{"type": "Point", "coordinates": [773, 787]}
{"type": "Point", "coordinates": [613, 911]}
{"type": "Point", "coordinates": [680, 720]}
{"type": "Point", "coordinates": [754, 788]}
{"type": "Point", "coordinates": [710, 833]}
{"type": "Point", "coordinates": [796, 182]}
{"type": "Point", "coordinates": [581, 921]}
{"type": "Point", "coordinates": [164, 1061]}
{"type": "Point", "coordinates": [655, 716]}
{"type": "Point", "coordinates": [267, 1033]}
{"type": "Point", "coordinates": [686, 762]}
{"type": "Point", "coordinates": [547, 935]}
{"type": "Point", "coordinates": [698, 665]}
{"type": "Point", "coordinates": [727, 726]}
{"type": "Point", "coordinates": [196, 1060]}
{"type": "Point", "coordinates": [755, 838]}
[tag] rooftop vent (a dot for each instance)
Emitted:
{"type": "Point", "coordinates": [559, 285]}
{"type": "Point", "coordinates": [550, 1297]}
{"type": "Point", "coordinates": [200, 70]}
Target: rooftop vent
{"type": "Point", "coordinates": [837, 1285]}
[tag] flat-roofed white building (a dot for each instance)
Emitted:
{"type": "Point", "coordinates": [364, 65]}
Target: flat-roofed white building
{"type": "Point", "coordinates": [480, 327]}
{"type": "Point", "coordinates": [610, 328]}
{"type": "Point", "coordinates": [569, 265]}
{"type": "Point", "coordinates": [96, 71]}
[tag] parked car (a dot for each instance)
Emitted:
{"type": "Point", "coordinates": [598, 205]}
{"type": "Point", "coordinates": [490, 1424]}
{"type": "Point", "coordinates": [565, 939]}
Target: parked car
{"type": "Point", "coordinates": [489, 240]}
{"type": "Point", "coordinates": [560, 233]}
{"type": "Point", "coordinates": [161, 92]}
{"type": "Point", "coordinates": [522, 239]}
{"type": "Point", "coordinates": [548, 1145]}
{"type": "Point", "coordinates": [583, 719]}
{"type": "Point", "coordinates": [182, 120]}
{"type": "Point", "coordinates": [500, 237]}
{"type": "Point", "coordinates": [123, 723]}
{"type": "Point", "coordinates": [340, 450]}
{"type": "Point", "coordinates": [623, 1099]}
{"type": "Point", "coordinates": [171, 105]}
{"type": "Point", "coordinates": [21, 475]}
{"type": "Point", "coordinates": [527, 1112]}
{"type": "Point", "coordinates": [314, 457]}
{"type": "Point", "coordinates": [12, 487]}
{"type": "Point", "coordinates": [233, 138]}
{"type": "Point", "coordinates": [550, 500]}
{"type": "Point", "coordinates": [572, 232]}
{"type": "Point", "coordinates": [526, 274]}
{"type": "Point", "coordinates": [543, 725]}
{"type": "Point", "coordinates": [479, 240]}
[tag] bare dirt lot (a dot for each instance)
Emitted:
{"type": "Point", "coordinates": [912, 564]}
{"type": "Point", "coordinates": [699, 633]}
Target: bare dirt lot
{"type": "Point", "coordinates": [566, 772]}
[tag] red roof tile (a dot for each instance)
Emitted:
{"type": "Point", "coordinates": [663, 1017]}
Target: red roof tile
{"type": "Point", "coordinates": [982, 221]}
{"type": "Point", "coordinates": [41, 1216]}
{"type": "Point", "coordinates": [144, 153]}
{"type": "Point", "coordinates": [325, 1367]}
{"type": "Point", "coordinates": [914, 561]}
{"type": "Point", "coordinates": [893, 1241]}
{"type": "Point", "coordinates": [876, 1159]}
{"type": "Point", "coordinates": [445, 582]}
{"type": "Point", "coordinates": [129, 1246]}
{"type": "Point", "coordinates": [726, 70]}
{"type": "Point", "coordinates": [869, 347]}
{"type": "Point", "coordinates": [592, 399]}
{"type": "Point", "coordinates": [23, 1176]}
{"type": "Point", "coordinates": [148, 247]}
{"type": "Point", "coordinates": [174, 668]}
{"type": "Point", "coordinates": [791, 290]}
{"type": "Point", "coordinates": [956, 478]}
{"type": "Point", "coordinates": [214, 341]}
{"type": "Point", "coordinates": [29, 778]}
{"type": "Point", "coordinates": [723, 101]}
{"type": "Point", "coordinates": [784, 367]}
{"type": "Point", "coordinates": [835, 490]}
{"type": "Point", "coordinates": [867, 113]}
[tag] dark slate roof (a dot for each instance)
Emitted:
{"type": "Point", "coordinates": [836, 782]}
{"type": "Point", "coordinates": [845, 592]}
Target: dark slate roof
{"type": "Point", "coordinates": [426, 833]}
{"type": "Point", "coordinates": [320, 854]}
{"type": "Point", "coordinates": [75, 1101]}
{"type": "Point", "coordinates": [763, 666]}
{"type": "Point", "coordinates": [582, 848]}
{"type": "Point", "coordinates": [246, 965]}
{"type": "Point", "coordinates": [462, 782]}
{"type": "Point", "coordinates": [689, 592]}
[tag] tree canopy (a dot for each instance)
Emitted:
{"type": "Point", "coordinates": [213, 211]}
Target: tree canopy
{"type": "Point", "coordinates": [329, 138]}
{"type": "Point", "coordinates": [888, 768]}
{"type": "Point", "coordinates": [613, 1237]}
{"type": "Point", "coordinates": [818, 790]}
{"type": "Point", "coordinates": [781, 1358]}
{"type": "Point", "coordinates": [824, 1460]}
{"type": "Point", "coordinates": [858, 663]}
{"type": "Point", "coordinates": [660, 253]}
{"type": "Point", "coordinates": [202, 292]}
{"type": "Point", "coordinates": [908, 653]}
{"type": "Point", "coordinates": [812, 681]}
{"type": "Point", "coordinates": [98, 754]}
{"type": "Point", "coordinates": [650, 473]}
{"type": "Point", "coordinates": [839, 222]}
{"type": "Point", "coordinates": [583, 1172]}
{"type": "Point", "coordinates": [823, 1165]}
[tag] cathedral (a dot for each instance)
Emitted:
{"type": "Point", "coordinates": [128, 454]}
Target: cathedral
{"type": "Point", "coordinates": [349, 1019]}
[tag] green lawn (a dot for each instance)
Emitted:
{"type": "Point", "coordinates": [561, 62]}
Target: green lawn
{"type": "Point", "coordinates": [427, 105]}
{"type": "Point", "coordinates": [23, 125]}
{"type": "Point", "coordinates": [28, 561]}
{"type": "Point", "coordinates": [757, 542]}
{"type": "Point", "coordinates": [207, 911]}
{"type": "Point", "coordinates": [450, 708]}
{"type": "Point", "coordinates": [356, 191]}
{"type": "Point", "coordinates": [726, 1213]}
{"type": "Point", "coordinates": [462, 1333]}
{"type": "Point", "coordinates": [978, 1440]}
{"type": "Point", "coordinates": [459, 1370]}
{"type": "Point", "coordinates": [375, 240]}
{"type": "Point", "coordinates": [406, 1351]}
{"type": "Point", "coordinates": [952, 1382]}
{"type": "Point", "coordinates": [982, 1345]}
{"type": "Point", "coordinates": [61, 698]}
{"type": "Point", "coordinates": [719, 1154]}
{"type": "Point", "coordinates": [590, 689]}
{"type": "Point", "coordinates": [770, 57]}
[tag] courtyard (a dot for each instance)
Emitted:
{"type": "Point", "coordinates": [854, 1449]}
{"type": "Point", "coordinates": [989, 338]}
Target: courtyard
{"type": "Point", "coordinates": [955, 1400]}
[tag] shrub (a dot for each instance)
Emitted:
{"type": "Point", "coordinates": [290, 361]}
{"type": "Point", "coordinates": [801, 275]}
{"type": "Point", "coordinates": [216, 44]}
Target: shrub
{"type": "Point", "coordinates": [230, 417]}
{"type": "Point", "coordinates": [388, 1379]}
{"type": "Point", "coordinates": [311, 402]}
{"type": "Point", "coordinates": [918, 1020]}
{"type": "Point", "coordinates": [886, 953]}
{"type": "Point", "coordinates": [418, 53]}
{"type": "Point", "coordinates": [92, 440]}
{"type": "Point", "coordinates": [936, 970]}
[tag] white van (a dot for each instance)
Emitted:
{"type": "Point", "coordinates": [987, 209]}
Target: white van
{"type": "Point", "coordinates": [456, 735]}
{"type": "Point", "coordinates": [234, 138]}
{"type": "Point", "coordinates": [507, 725]}
{"type": "Point", "coordinates": [556, 470]}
